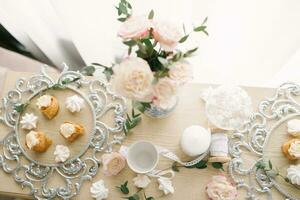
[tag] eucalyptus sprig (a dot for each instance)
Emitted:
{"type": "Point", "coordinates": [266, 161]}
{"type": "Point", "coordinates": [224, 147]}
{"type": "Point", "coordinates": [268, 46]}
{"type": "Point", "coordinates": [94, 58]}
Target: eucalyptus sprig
{"type": "Point", "coordinates": [124, 9]}
{"type": "Point", "coordinates": [64, 83]}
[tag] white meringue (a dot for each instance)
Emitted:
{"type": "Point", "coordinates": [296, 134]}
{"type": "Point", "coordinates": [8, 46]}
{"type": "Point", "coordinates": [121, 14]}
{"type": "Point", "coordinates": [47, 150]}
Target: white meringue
{"type": "Point", "coordinates": [294, 149]}
{"type": "Point", "coordinates": [32, 139]}
{"type": "Point", "coordinates": [61, 153]}
{"type": "Point", "coordinates": [294, 127]}
{"type": "Point", "coordinates": [29, 121]}
{"type": "Point", "coordinates": [293, 174]}
{"type": "Point", "coordinates": [74, 103]}
{"type": "Point", "coordinates": [44, 101]}
{"type": "Point", "coordinates": [141, 181]}
{"type": "Point", "coordinates": [165, 184]}
{"type": "Point", "coordinates": [67, 129]}
{"type": "Point", "coordinates": [98, 190]}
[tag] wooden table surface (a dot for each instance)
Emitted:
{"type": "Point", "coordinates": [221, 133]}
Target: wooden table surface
{"type": "Point", "coordinates": [189, 183]}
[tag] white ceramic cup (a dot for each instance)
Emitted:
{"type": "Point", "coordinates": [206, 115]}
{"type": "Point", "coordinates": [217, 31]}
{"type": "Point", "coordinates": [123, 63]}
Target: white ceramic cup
{"type": "Point", "coordinates": [142, 157]}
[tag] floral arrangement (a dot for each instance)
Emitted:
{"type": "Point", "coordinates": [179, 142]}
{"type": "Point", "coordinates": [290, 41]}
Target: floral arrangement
{"type": "Point", "coordinates": [154, 68]}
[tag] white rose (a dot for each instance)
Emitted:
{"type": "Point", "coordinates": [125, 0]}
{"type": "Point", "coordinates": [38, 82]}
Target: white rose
{"type": "Point", "coordinates": [133, 79]}
{"type": "Point", "coordinates": [181, 72]}
{"type": "Point", "coordinates": [166, 34]}
{"type": "Point", "coordinates": [141, 181]}
{"type": "Point", "coordinates": [135, 27]}
{"type": "Point", "coordinates": [98, 190]}
{"type": "Point", "coordinates": [164, 93]}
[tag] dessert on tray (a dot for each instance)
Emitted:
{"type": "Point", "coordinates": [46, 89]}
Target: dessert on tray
{"type": "Point", "coordinates": [291, 149]}
{"type": "Point", "coordinates": [74, 103]}
{"type": "Point", "coordinates": [29, 121]}
{"type": "Point", "coordinates": [71, 131]}
{"type": "Point", "coordinates": [37, 141]}
{"type": "Point", "coordinates": [48, 105]}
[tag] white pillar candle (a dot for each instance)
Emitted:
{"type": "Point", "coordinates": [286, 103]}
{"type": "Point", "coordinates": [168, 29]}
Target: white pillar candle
{"type": "Point", "coordinates": [195, 140]}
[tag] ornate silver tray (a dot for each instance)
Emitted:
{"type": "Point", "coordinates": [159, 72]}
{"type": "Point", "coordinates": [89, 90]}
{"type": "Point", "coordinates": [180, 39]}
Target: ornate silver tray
{"type": "Point", "coordinates": [255, 142]}
{"type": "Point", "coordinates": [36, 175]}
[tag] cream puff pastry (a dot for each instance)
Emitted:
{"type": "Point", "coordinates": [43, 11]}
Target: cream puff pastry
{"type": "Point", "coordinates": [37, 141]}
{"type": "Point", "coordinates": [291, 149]}
{"type": "Point", "coordinates": [71, 131]}
{"type": "Point", "coordinates": [48, 105]}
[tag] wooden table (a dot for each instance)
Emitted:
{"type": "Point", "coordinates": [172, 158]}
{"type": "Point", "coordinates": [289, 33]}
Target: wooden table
{"type": "Point", "coordinates": [189, 183]}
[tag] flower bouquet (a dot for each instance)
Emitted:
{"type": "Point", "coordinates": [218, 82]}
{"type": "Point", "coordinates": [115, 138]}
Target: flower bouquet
{"type": "Point", "coordinates": [153, 68]}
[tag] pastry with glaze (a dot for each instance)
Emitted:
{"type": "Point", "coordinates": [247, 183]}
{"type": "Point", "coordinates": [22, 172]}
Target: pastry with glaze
{"type": "Point", "coordinates": [37, 141]}
{"type": "Point", "coordinates": [291, 149]}
{"type": "Point", "coordinates": [48, 105]}
{"type": "Point", "coordinates": [71, 131]}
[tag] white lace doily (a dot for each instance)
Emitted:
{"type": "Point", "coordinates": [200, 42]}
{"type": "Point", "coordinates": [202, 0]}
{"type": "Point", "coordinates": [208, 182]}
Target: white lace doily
{"type": "Point", "coordinates": [227, 106]}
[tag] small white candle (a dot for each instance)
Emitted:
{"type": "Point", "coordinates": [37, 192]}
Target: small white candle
{"type": "Point", "coordinates": [195, 140]}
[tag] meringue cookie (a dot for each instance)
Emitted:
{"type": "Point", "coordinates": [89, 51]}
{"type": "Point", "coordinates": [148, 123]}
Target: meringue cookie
{"type": "Point", "coordinates": [44, 101]}
{"type": "Point", "coordinates": [294, 127]}
{"type": "Point", "coordinates": [29, 121]}
{"type": "Point", "coordinates": [165, 184]}
{"type": "Point", "coordinates": [74, 103]}
{"type": "Point", "coordinates": [32, 139]}
{"type": "Point", "coordinates": [293, 174]}
{"type": "Point", "coordinates": [195, 140]}
{"type": "Point", "coordinates": [294, 149]}
{"type": "Point", "coordinates": [61, 153]}
{"type": "Point", "coordinates": [67, 129]}
{"type": "Point", "coordinates": [98, 190]}
{"type": "Point", "coordinates": [141, 181]}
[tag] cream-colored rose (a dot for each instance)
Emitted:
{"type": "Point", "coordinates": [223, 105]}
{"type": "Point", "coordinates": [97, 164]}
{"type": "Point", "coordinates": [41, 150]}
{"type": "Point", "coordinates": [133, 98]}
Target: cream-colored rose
{"type": "Point", "coordinates": [181, 72]}
{"type": "Point", "coordinates": [221, 189]}
{"type": "Point", "coordinates": [166, 34]}
{"type": "Point", "coordinates": [135, 27]}
{"type": "Point", "coordinates": [133, 79]}
{"type": "Point", "coordinates": [164, 93]}
{"type": "Point", "coordinates": [112, 163]}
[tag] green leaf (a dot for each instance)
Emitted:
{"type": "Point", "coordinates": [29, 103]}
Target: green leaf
{"type": "Point", "coordinates": [141, 106]}
{"type": "Point", "coordinates": [98, 64]}
{"type": "Point", "coordinates": [88, 70]}
{"type": "Point", "coordinates": [123, 188]}
{"type": "Point", "coordinates": [190, 52]}
{"type": "Point", "coordinates": [20, 107]}
{"type": "Point", "coordinates": [199, 28]}
{"type": "Point", "coordinates": [174, 167]}
{"type": "Point", "coordinates": [122, 19]}
{"type": "Point", "coordinates": [133, 197]}
{"type": "Point", "coordinates": [151, 14]}
{"type": "Point", "coordinates": [108, 72]}
{"type": "Point", "coordinates": [272, 173]}
{"type": "Point", "coordinates": [270, 165]}
{"type": "Point", "coordinates": [129, 43]}
{"type": "Point", "coordinates": [201, 165]}
{"type": "Point", "coordinates": [260, 165]}
{"type": "Point", "coordinates": [205, 20]}
{"type": "Point", "coordinates": [183, 39]}
{"type": "Point", "coordinates": [149, 198]}
{"type": "Point", "coordinates": [123, 9]}
{"type": "Point", "coordinates": [217, 165]}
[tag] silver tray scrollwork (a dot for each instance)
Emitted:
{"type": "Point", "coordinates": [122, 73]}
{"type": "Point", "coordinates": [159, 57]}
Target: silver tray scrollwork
{"type": "Point", "coordinates": [253, 139]}
{"type": "Point", "coordinates": [34, 175]}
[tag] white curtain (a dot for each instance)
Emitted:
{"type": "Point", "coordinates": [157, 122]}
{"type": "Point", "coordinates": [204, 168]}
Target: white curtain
{"type": "Point", "coordinates": [251, 42]}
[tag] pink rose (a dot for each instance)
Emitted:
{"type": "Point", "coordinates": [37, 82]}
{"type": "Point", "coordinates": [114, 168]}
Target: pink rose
{"type": "Point", "coordinates": [135, 27]}
{"type": "Point", "coordinates": [166, 34]}
{"type": "Point", "coordinates": [112, 163]}
{"type": "Point", "coordinates": [181, 72]}
{"type": "Point", "coordinates": [221, 189]}
{"type": "Point", "coordinates": [133, 79]}
{"type": "Point", "coordinates": [164, 93]}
